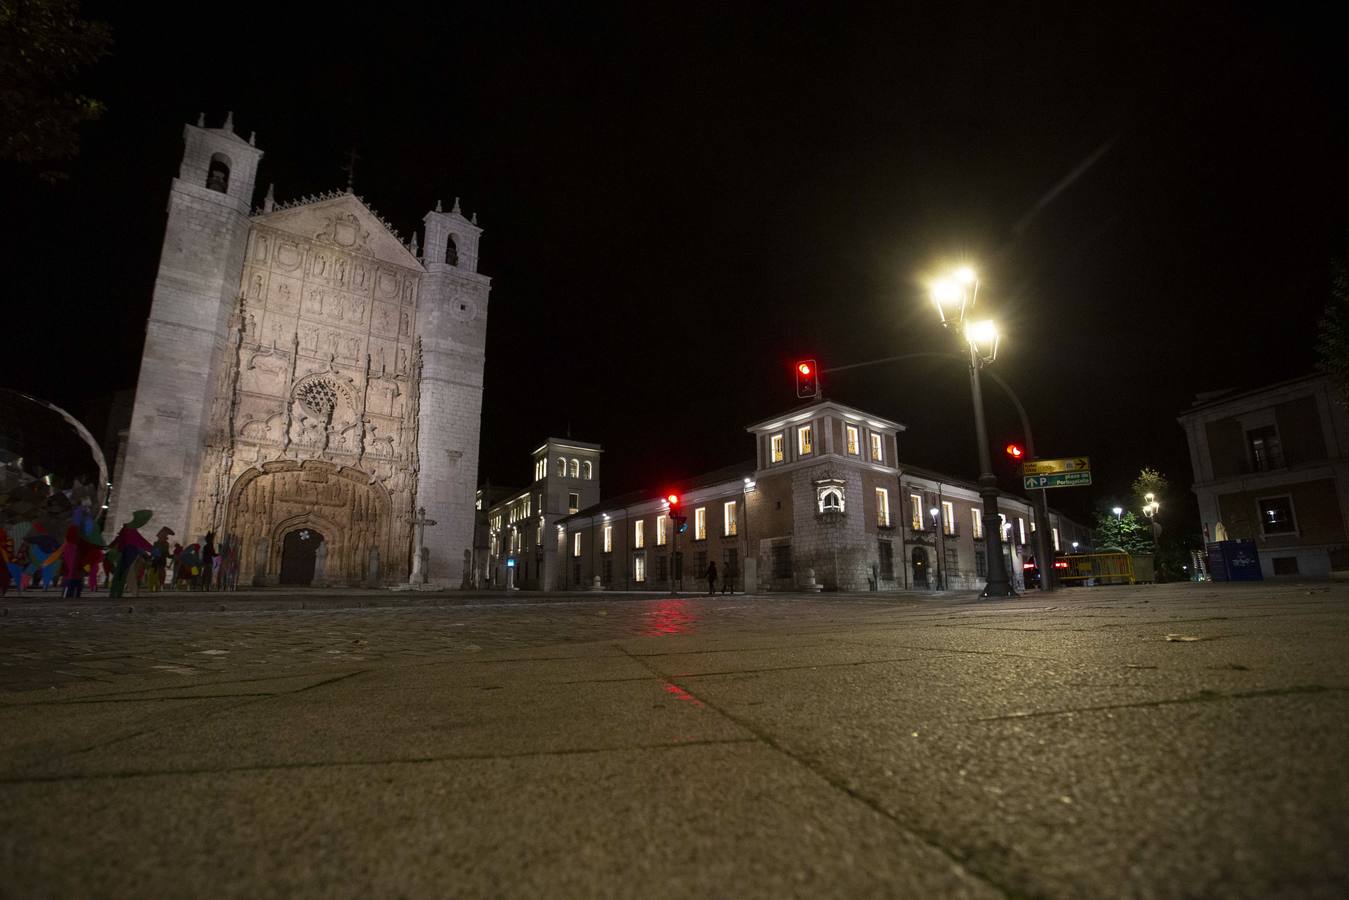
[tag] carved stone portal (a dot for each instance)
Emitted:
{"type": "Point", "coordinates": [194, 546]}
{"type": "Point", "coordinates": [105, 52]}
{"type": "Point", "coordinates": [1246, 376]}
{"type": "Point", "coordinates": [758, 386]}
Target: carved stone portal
{"type": "Point", "coordinates": [352, 512]}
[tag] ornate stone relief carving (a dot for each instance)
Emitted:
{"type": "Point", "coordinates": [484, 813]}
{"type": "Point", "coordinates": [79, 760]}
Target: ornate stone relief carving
{"type": "Point", "coordinates": [344, 230]}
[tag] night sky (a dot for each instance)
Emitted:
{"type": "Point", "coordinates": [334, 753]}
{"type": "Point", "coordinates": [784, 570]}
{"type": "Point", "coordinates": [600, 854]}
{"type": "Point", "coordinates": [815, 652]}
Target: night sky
{"type": "Point", "coordinates": [680, 201]}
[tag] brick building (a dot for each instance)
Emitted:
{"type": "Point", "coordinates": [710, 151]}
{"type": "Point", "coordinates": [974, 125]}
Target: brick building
{"type": "Point", "coordinates": [1270, 465]}
{"type": "Point", "coordinates": [825, 501]}
{"type": "Point", "coordinates": [309, 381]}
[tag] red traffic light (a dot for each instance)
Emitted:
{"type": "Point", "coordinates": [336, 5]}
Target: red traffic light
{"type": "Point", "coordinates": [672, 499]}
{"type": "Point", "coordinates": [1015, 451]}
{"type": "Point", "coordinates": [807, 382]}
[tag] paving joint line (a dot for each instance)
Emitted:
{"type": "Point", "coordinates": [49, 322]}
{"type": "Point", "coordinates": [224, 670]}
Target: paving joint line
{"type": "Point", "coordinates": [856, 795]}
{"type": "Point", "coordinates": [341, 764]}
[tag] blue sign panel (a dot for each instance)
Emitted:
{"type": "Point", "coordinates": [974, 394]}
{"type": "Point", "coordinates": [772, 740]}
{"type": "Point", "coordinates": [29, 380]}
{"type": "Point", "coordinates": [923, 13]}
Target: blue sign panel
{"type": "Point", "coordinates": [510, 563]}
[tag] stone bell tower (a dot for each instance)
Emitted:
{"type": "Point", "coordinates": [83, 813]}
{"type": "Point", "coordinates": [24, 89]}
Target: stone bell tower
{"type": "Point", "coordinates": [195, 295]}
{"type": "Point", "coordinates": [452, 325]}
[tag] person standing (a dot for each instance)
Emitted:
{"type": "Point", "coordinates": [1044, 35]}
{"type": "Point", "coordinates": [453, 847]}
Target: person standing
{"type": "Point", "coordinates": [208, 555]}
{"type": "Point", "coordinates": [711, 578]}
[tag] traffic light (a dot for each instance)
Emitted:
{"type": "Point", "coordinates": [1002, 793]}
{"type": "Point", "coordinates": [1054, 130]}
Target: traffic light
{"type": "Point", "coordinates": [673, 501]}
{"type": "Point", "coordinates": [1015, 452]}
{"type": "Point", "coordinates": [682, 523]}
{"type": "Point", "coordinates": [807, 379]}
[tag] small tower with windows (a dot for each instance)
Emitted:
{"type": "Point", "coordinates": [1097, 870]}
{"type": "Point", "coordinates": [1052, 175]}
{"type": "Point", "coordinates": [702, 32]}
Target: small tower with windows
{"type": "Point", "coordinates": [451, 239]}
{"type": "Point", "coordinates": [196, 292]}
{"type": "Point", "coordinates": [220, 161]}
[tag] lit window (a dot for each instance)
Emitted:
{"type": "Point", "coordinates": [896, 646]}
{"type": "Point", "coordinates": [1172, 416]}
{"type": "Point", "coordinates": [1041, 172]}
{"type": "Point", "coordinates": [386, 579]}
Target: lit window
{"type": "Point", "coordinates": [585, 470]}
{"type": "Point", "coordinates": [1276, 515]}
{"type": "Point", "coordinates": [916, 505]}
{"type": "Point", "coordinates": [1055, 533]}
{"type": "Point", "coordinates": [575, 468]}
{"type": "Point", "coordinates": [576, 544]}
{"type": "Point", "coordinates": [540, 531]}
{"type": "Point", "coordinates": [948, 517]}
{"type": "Point", "coordinates": [728, 518]}
{"type": "Point", "coordinates": [639, 534]}
{"type": "Point", "coordinates": [662, 530]}
{"type": "Point", "coordinates": [854, 447]}
{"type": "Point", "coordinates": [639, 568]}
{"type": "Point", "coordinates": [877, 451]}
{"type": "Point", "coordinates": [831, 500]}
{"type": "Point", "coordinates": [883, 507]}
{"type": "Point", "coordinates": [777, 449]}
{"type": "Point", "coordinates": [803, 440]}
{"type": "Point", "coordinates": [1021, 530]}
{"type": "Point", "coordinates": [1004, 528]}
{"type": "Point", "coordinates": [573, 502]}
{"type": "Point", "coordinates": [977, 524]}
{"type": "Point", "coordinates": [700, 524]}
{"type": "Point", "coordinates": [608, 539]}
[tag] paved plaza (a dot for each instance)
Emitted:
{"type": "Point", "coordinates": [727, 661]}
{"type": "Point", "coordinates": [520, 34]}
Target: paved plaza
{"type": "Point", "coordinates": [1153, 741]}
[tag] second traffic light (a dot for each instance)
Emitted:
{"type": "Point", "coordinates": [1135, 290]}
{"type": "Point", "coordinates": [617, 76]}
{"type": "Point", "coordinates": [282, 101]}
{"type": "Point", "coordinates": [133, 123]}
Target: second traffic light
{"type": "Point", "coordinates": [807, 379]}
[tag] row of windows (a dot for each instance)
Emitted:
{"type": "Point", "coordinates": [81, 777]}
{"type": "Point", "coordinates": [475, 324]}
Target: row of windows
{"type": "Point", "coordinates": [805, 443]}
{"type": "Point", "coordinates": [948, 521]}
{"type": "Point", "coordinates": [564, 468]}
{"type": "Point", "coordinates": [729, 528]}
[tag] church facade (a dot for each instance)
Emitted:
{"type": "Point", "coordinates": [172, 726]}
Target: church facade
{"type": "Point", "coordinates": [311, 387]}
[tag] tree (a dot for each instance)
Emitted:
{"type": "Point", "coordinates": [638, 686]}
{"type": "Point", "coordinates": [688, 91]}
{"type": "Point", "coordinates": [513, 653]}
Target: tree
{"type": "Point", "coordinates": [1124, 532]}
{"type": "Point", "coordinates": [1150, 481]}
{"type": "Point", "coordinates": [1332, 333]}
{"type": "Point", "coordinates": [44, 48]}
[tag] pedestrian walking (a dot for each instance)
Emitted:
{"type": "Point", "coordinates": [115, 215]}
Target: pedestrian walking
{"type": "Point", "coordinates": [711, 578]}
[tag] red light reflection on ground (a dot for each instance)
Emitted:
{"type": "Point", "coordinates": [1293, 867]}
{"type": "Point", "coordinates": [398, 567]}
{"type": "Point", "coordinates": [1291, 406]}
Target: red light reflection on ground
{"type": "Point", "coordinates": [668, 617]}
{"type": "Point", "coordinates": [681, 694]}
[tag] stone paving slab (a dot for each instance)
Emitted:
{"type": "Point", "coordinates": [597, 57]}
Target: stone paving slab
{"type": "Point", "coordinates": [672, 822]}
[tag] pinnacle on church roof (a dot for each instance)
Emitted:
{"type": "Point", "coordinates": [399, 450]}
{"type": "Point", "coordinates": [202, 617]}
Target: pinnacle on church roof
{"type": "Point", "coordinates": [201, 120]}
{"type": "Point", "coordinates": [438, 207]}
{"type": "Point", "coordinates": [269, 201]}
{"type": "Point", "coordinates": [252, 139]}
{"type": "Point", "coordinates": [474, 220]}
{"type": "Point", "coordinates": [229, 122]}
{"type": "Point", "coordinates": [456, 207]}
{"type": "Point", "coordinates": [415, 249]}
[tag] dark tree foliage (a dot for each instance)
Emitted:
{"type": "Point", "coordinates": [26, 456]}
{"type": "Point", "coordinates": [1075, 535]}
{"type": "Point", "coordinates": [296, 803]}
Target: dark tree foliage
{"type": "Point", "coordinates": [1126, 532]}
{"type": "Point", "coordinates": [1332, 333]}
{"type": "Point", "coordinates": [44, 48]}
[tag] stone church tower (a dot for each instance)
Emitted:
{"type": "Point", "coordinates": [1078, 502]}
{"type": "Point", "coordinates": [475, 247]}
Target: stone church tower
{"type": "Point", "coordinates": [308, 381]}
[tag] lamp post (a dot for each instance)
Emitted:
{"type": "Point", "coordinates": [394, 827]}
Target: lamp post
{"type": "Point", "coordinates": [953, 297]}
{"type": "Point", "coordinates": [1150, 509]}
{"type": "Point", "coordinates": [941, 536]}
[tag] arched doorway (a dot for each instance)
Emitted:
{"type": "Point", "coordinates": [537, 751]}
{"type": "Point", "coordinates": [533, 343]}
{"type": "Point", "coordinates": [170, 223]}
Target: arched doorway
{"type": "Point", "coordinates": [363, 543]}
{"type": "Point", "coordinates": [299, 550]}
{"type": "Point", "coordinates": [919, 567]}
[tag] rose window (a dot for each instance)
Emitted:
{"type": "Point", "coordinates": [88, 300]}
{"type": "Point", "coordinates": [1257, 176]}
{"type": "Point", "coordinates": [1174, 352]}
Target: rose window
{"type": "Point", "coordinates": [319, 398]}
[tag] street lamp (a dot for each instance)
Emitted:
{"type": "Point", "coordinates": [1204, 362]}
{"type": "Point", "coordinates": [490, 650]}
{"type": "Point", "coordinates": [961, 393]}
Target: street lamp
{"type": "Point", "coordinates": [1119, 512]}
{"type": "Point", "coordinates": [935, 513]}
{"type": "Point", "coordinates": [954, 296]}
